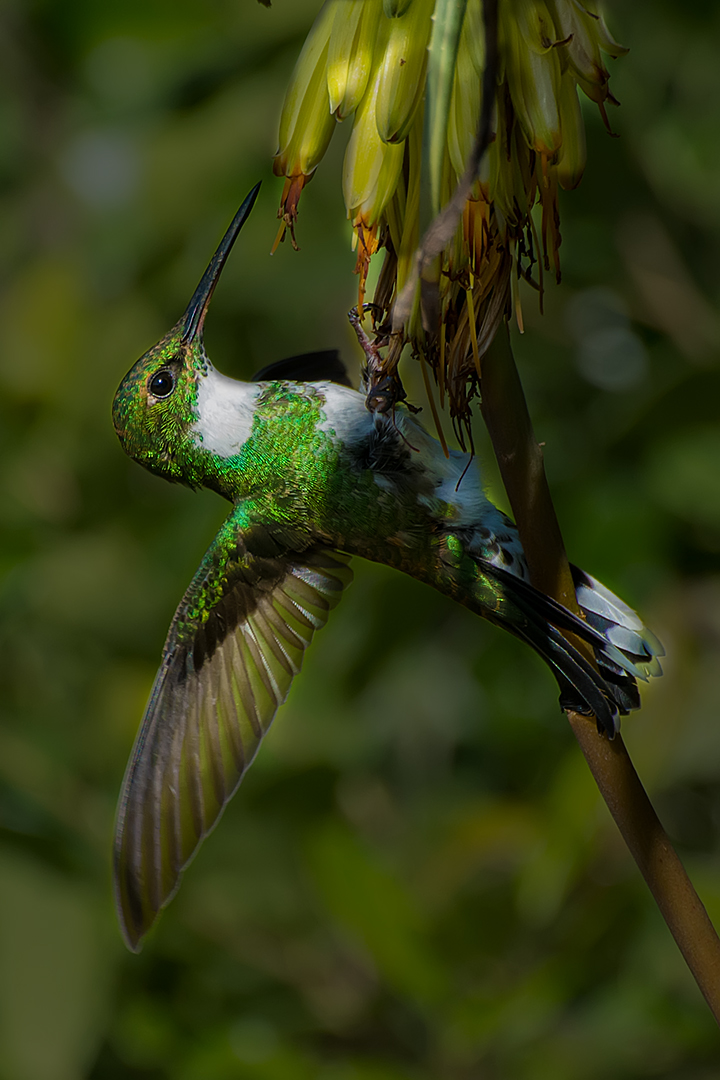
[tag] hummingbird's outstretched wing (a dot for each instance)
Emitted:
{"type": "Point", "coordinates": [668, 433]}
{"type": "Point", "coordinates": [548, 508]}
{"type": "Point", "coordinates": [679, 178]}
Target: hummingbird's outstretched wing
{"type": "Point", "coordinates": [323, 366]}
{"type": "Point", "coordinates": [236, 641]}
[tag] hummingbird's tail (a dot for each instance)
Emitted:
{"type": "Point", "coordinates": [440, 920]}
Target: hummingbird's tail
{"type": "Point", "coordinates": [637, 647]}
{"type": "Point", "coordinates": [624, 649]}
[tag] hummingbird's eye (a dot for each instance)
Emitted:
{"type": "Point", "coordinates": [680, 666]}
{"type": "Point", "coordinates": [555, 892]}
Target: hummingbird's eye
{"type": "Point", "coordinates": [162, 383]}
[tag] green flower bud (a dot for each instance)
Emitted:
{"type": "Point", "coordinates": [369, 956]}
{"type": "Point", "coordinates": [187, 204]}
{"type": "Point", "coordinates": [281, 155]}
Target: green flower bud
{"type": "Point", "coordinates": [350, 55]}
{"type": "Point", "coordinates": [526, 37]}
{"type": "Point", "coordinates": [371, 166]}
{"type": "Point", "coordinates": [306, 122]}
{"type": "Point", "coordinates": [573, 152]}
{"type": "Point", "coordinates": [464, 115]}
{"type": "Point", "coordinates": [402, 65]}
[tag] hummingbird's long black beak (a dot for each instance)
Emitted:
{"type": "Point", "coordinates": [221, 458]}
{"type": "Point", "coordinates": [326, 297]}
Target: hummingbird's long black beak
{"type": "Point", "coordinates": [195, 313]}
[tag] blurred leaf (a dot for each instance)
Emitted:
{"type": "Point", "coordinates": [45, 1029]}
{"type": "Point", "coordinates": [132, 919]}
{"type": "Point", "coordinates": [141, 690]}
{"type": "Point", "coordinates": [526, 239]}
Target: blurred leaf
{"type": "Point", "coordinates": [373, 904]}
{"type": "Point", "coordinates": [56, 964]}
{"type": "Point", "coordinates": [684, 476]}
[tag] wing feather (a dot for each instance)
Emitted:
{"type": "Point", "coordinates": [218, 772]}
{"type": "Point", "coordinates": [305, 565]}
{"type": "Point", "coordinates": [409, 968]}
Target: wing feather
{"type": "Point", "coordinates": [236, 642]}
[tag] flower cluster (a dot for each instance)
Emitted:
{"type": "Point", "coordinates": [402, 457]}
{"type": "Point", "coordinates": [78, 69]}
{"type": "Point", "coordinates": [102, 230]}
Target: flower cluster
{"type": "Point", "coordinates": [368, 59]}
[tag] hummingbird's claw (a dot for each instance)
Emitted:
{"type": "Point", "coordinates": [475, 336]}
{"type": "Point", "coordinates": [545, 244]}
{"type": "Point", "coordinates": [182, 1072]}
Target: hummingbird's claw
{"type": "Point", "coordinates": [384, 395]}
{"type": "Point", "coordinates": [381, 382]}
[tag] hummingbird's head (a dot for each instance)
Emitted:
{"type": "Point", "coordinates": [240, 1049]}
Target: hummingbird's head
{"type": "Point", "coordinates": [156, 403]}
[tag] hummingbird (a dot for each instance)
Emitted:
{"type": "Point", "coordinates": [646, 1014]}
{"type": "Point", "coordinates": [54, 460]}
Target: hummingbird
{"type": "Point", "coordinates": [313, 477]}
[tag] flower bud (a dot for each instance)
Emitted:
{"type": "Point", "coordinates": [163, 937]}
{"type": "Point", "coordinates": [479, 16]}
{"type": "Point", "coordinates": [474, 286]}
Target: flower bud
{"type": "Point", "coordinates": [306, 123]}
{"type": "Point", "coordinates": [401, 68]}
{"type": "Point", "coordinates": [464, 114]}
{"type": "Point", "coordinates": [573, 152]}
{"type": "Point", "coordinates": [371, 166]}
{"type": "Point", "coordinates": [350, 55]}
{"type": "Point", "coordinates": [527, 37]}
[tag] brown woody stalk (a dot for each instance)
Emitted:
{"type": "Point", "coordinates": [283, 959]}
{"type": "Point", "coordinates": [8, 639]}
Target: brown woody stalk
{"type": "Point", "coordinates": [520, 459]}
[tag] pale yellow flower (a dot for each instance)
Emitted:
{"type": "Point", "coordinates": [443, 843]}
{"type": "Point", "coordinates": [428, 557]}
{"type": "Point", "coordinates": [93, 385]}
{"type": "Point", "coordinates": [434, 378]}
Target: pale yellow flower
{"type": "Point", "coordinates": [367, 60]}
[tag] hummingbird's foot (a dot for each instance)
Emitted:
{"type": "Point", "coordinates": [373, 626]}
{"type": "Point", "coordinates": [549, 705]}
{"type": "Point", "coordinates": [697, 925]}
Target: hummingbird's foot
{"type": "Point", "coordinates": [383, 387]}
{"type": "Point", "coordinates": [373, 359]}
{"type": "Point", "coordinates": [384, 395]}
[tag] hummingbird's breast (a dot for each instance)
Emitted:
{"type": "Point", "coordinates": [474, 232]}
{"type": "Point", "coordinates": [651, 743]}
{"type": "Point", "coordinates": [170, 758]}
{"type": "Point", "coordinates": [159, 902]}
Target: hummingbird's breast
{"type": "Point", "coordinates": [410, 496]}
{"type": "Point", "coordinates": [371, 484]}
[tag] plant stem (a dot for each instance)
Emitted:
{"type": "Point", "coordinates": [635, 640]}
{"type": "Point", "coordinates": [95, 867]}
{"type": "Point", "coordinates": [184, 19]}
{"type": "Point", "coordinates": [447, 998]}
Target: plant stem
{"type": "Point", "coordinates": [520, 459]}
{"type": "Point", "coordinates": [657, 860]}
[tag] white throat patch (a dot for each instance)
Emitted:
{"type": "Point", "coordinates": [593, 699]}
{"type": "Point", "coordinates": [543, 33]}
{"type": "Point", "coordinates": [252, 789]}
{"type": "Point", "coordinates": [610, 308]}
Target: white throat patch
{"type": "Point", "coordinates": [225, 410]}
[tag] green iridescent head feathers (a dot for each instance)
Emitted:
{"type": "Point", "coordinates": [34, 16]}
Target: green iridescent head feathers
{"type": "Point", "coordinates": [154, 406]}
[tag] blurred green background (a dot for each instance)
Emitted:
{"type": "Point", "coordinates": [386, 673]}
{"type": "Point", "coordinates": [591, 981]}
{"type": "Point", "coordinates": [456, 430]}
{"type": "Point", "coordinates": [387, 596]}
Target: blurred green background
{"type": "Point", "coordinates": [417, 880]}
